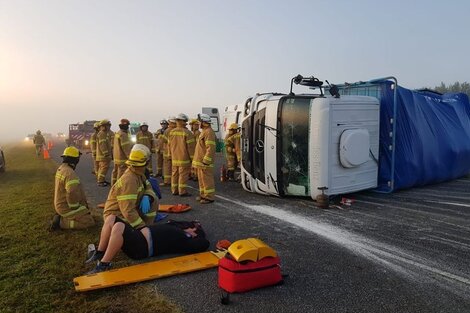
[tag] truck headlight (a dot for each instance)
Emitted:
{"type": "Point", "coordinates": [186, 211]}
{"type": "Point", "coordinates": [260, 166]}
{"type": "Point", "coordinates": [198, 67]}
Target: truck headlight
{"type": "Point", "coordinates": [134, 139]}
{"type": "Point", "coordinates": [86, 142]}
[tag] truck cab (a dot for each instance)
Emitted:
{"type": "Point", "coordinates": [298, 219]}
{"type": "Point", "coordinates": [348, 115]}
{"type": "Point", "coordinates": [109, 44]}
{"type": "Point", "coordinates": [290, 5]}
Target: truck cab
{"type": "Point", "coordinates": [292, 145]}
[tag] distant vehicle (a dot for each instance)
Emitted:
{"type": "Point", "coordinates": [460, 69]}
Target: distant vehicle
{"type": "Point", "coordinates": [232, 114]}
{"type": "Point", "coordinates": [133, 130]}
{"type": "Point", "coordinates": [2, 161]}
{"type": "Point", "coordinates": [29, 137]}
{"type": "Point", "coordinates": [60, 135]}
{"type": "Point", "coordinates": [215, 122]}
{"type": "Point", "coordinates": [80, 133]}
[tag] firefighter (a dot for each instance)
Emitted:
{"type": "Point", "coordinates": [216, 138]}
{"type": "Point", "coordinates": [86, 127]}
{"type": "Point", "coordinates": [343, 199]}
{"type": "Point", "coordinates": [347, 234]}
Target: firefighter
{"type": "Point", "coordinates": [93, 144]}
{"type": "Point", "coordinates": [39, 142]}
{"type": "Point", "coordinates": [132, 198]}
{"type": "Point", "coordinates": [204, 160]}
{"type": "Point", "coordinates": [110, 133]}
{"type": "Point", "coordinates": [230, 151]}
{"type": "Point", "coordinates": [194, 123]}
{"type": "Point", "coordinates": [103, 153]}
{"type": "Point", "coordinates": [121, 150]}
{"type": "Point", "coordinates": [144, 137]}
{"type": "Point", "coordinates": [159, 147]}
{"type": "Point", "coordinates": [181, 148]}
{"type": "Point", "coordinates": [69, 197]}
{"type": "Point", "coordinates": [167, 171]}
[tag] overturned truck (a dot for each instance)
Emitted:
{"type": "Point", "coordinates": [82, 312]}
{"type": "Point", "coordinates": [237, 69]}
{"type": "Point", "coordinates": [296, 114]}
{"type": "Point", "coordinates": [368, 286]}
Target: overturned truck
{"type": "Point", "coordinates": [364, 135]}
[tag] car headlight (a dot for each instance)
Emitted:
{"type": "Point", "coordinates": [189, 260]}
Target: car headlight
{"type": "Point", "coordinates": [134, 139]}
{"type": "Point", "coordinates": [26, 139]}
{"type": "Point", "coordinates": [86, 142]}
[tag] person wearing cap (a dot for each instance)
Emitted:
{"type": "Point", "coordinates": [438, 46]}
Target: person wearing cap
{"type": "Point", "coordinates": [232, 150]}
{"type": "Point", "coordinates": [132, 198]}
{"type": "Point", "coordinates": [194, 124]}
{"type": "Point", "coordinates": [144, 137]}
{"type": "Point", "coordinates": [103, 153]}
{"type": "Point", "coordinates": [70, 203]}
{"type": "Point", "coordinates": [39, 142]}
{"type": "Point", "coordinates": [181, 148]}
{"type": "Point", "coordinates": [204, 160]}
{"type": "Point", "coordinates": [121, 150]}
{"type": "Point", "coordinates": [167, 170]}
{"type": "Point", "coordinates": [93, 143]}
{"type": "Point", "coordinates": [159, 147]}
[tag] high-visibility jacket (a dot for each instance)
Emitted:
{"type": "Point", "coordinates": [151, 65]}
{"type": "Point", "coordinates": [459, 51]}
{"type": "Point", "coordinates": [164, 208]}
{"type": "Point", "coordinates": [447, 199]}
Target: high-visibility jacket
{"type": "Point", "coordinates": [103, 146]}
{"type": "Point", "coordinates": [69, 197]}
{"type": "Point", "coordinates": [166, 151]}
{"type": "Point", "coordinates": [234, 141]}
{"type": "Point", "coordinates": [93, 144]}
{"type": "Point", "coordinates": [122, 146]}
{"type": "Point", "coordinates": [146, 138]}
{"type": "Point", "coordinates": [125, 196]}
{"type": "Point", "coordinates": [205, 149]}
{"type": "Point", "coordinates": [110, 134]}
{"type": "Point", "coordinates": [196, 133]}
{"type": "Point", "coordinates": [39, 140]}
{"type": "Point", "coordinates": [181, 146]}
{"type": "Point", "coordinates": [159, 140]}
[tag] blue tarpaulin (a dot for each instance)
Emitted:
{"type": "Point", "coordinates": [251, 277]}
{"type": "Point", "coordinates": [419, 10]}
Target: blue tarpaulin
{"type": "Point", "coordinates": [432, 135]}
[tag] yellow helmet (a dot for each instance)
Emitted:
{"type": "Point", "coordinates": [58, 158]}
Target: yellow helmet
{"type": "Point", "coordinates": [96, 125]}
{"type": "Point", "coordinates": [139, 155]}
{"type": "Point", "coordinates": [71, 152]}
{"type": "Point", "coordinates": [193, 121]}
{"type": "Point", "coordinates": [105, 122]}
{"type": "Point", "coordinates": [233, 126]}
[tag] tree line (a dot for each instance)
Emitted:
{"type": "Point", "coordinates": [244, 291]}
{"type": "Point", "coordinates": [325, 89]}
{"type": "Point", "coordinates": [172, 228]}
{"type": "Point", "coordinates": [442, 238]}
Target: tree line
{"type": "Point", "coordinates": [455, 87]}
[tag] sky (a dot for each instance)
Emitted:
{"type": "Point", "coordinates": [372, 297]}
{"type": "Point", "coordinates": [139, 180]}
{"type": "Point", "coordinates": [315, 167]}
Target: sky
{"type": "Point", "coordinates": [66, 61]}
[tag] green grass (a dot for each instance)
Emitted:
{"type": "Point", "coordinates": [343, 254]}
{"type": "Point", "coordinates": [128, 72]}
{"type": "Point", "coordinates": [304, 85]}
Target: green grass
{"type": "Point", "coordinates": [37, 267]}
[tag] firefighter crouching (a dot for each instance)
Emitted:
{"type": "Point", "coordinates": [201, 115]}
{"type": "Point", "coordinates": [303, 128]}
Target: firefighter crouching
{"type": "Point", "coordinates": [121, 150]}
{"type": "Point", "coordinates": [167, 170]}
{"type": "Point", "coordinates": [181, 147]}
{"type": "Point", "coordinates": [204, 160]}
{"type": "Point", "coordinates": [144, 137]}
{"type": "Point", "coordinates": [159, 147]}
{"type": "Point", "coordinates": [103, 153]}
{"type": "Point", "coordinates": [39, 142]}
{"type": "Point", "coordinates": [69, 197]}
{"type": "Point", "coordinates": [132, 198]}
{"type": "Point", "coordinates": [232, 149]}
{"type": "Point", "coordinates": [93, 143]}
{"type": "Point", "coordinates": [194, 124]}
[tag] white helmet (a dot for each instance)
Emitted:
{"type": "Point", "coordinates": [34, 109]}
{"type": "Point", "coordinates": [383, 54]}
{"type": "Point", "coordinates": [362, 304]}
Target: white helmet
{"type": "Point", "coordinates": [182, 117]}
{"type": "Point", "coordinates": [204, 118]}
{"type": "Point", "coordinates": [144, 124]}
{"type": "Point", "coordinates": [142, 148]}
{"type": "Point", "coordinates": [172, 119]}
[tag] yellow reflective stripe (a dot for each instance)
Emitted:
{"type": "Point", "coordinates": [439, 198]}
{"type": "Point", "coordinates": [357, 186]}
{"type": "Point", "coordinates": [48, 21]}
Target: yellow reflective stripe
{"type": "Point", "coordinates": [151, 214]}
{"type": "Point", "coordinates": [102, 140]}
{"type": "Point", "coordinates": [137, 222]}
{"type": "Point", "coordinates": [210, 142]}
{"type": "Point", "coordinates": [92, 140]}
{"type": "Point", "coordinates": [140, 188]}
{"type": "Point", "coordinates": [167, 176]}
{"type": "Point", "coordinates": [59, 176]}
{"type": "Point", "coordinates": [179, 162]}
{"type": "Point", "coordinates": [208, 158]}
{"type": "Point", "coordinates": [125, 143]}
{"type": "Point", "coordinates": [210, 190]}
{"type": "Point", "coordinates": [183, 185]}
{"type": "Point", "coordinates": [190, 140]}
{"type": "Point", "coordinates": [197, 163]}
{"type": "Point", "coordinates": [174, 185]}
{"type": "Point", "coordinates": [178, 133]}
{"type": "Point", "coordinates": [72, 224]}
{"type": "Point", "coordinates": [127, 197]}
{"type": "Point", "coordinates": [72, 182]}
{"type": "Point", "coordinates": [73, 205]}
{"type": "Point", "coordinates": [75, 212]}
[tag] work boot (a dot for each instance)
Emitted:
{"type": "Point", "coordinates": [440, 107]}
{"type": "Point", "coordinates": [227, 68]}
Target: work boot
{"type": "Point", "coordinates": [95, 255]}
{"type": "Point", "coordinates": [104, 184]}
{"type": "Point", "coordinates": [205, 201]}
{"type": "Point", "coordinates": [100, 267]}
{"type": "Point", "coordinates": [198, 198]}
{"type": "Point", "coordinates": [55, 223]}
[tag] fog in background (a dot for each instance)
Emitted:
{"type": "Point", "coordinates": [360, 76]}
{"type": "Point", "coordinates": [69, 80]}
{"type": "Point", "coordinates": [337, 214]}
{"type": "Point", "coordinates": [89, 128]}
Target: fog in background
{"type": "Point", "coordinates": [63, 62]}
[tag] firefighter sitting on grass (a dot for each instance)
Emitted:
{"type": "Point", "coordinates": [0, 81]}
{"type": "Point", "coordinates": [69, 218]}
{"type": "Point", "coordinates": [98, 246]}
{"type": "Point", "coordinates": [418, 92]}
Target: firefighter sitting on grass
{"type": "Point", "coordinates": [132, 198]}
{"type": "Point", "coordinates": [69, 198]}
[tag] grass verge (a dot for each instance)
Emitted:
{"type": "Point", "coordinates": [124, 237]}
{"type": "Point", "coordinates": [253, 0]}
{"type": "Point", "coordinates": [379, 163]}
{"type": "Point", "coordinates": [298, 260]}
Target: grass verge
{"type": "Point", "coordinates": [37, 267]}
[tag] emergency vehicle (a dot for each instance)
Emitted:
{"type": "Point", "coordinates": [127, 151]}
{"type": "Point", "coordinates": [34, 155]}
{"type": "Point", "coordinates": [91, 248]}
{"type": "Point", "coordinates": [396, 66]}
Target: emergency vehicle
{"type": "Point", "coordinates": [80, 133]}
{"type": "Point", "coordinates": [216, 126]}
{"type": "Point", "coordinates": [232, 114]}
{"type": "Point", "coordinates": [299, 144]}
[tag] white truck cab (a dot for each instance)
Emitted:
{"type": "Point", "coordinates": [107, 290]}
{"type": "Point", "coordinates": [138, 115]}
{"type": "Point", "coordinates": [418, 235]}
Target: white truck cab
{"type": "Point", "coordinates": [293, 145]}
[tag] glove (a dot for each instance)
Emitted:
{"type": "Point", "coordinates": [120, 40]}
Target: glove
{"type": "Point", "coordinates": [145, 204]}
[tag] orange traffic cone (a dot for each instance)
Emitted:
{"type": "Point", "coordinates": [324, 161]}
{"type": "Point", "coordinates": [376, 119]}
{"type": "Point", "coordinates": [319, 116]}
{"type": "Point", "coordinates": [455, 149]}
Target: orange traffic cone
{"type": "Point", "coordinates": [46, 154]}
{"type": "Point", "coordinates": [49, 145]}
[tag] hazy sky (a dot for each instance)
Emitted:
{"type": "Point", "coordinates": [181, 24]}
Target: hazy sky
{"type": "Point", "coordinates": [67, 61]}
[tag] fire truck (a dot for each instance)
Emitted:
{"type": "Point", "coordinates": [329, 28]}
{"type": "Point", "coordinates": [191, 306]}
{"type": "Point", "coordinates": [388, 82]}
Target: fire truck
{"type": "Point", "coordinates": [80, 133]}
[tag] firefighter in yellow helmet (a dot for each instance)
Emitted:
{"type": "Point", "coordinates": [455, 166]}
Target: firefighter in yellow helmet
{"type": "Point", "coordinates": [93, 143]}
{"type": "Point", "coordinates": [39, 142]}
{"type": "Point", "coordinates": [69, 198]}
{"type": "Point", "coordinates": [103, 153]}
{"type": "Point", "coordinates": [232, 143]}
{"type": "Point", "coordinates": [144, 137]}
{"type": "Point", "coordinates": [159, 147]}
{"type": "Point", "coordinates": [132, 198]}
{"type": "Point", "coordinates": [204, 160]}
{"type": "Point", "coordinates": [121, 149]}
{"type": "Point", "coordinates": [194, 123]}
{"type": "Point", "coordinates": [167, 170]}
{"type": "Point", "coordinates": [181, 147]}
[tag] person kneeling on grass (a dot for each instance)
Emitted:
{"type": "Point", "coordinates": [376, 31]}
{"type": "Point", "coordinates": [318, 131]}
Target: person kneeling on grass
{"type": "Point", "coordinates": [145, 242]}
{"type": "Point", "coordinates": [69, 198]}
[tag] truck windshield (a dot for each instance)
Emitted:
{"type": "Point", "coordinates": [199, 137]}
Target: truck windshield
{"type": "Point", "coordinates": [294, 113]}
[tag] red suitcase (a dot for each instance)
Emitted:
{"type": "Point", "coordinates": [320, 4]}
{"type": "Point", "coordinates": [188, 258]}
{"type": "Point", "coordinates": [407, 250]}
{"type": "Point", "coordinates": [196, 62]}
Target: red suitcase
{"type": "Point", "coordinates": [241, 277]}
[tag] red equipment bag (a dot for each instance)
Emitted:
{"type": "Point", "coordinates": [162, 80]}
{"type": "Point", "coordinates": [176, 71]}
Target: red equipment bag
{"type": "Point", "coordinates": [241, 277]}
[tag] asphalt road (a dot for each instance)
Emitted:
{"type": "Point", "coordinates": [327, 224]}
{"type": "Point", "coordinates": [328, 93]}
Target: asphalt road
{"type": "Point", "coordinates": [401, 252]}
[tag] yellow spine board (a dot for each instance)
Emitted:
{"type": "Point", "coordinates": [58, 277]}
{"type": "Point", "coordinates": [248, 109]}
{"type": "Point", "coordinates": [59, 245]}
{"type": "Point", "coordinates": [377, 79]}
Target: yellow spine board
{"type": "Point", "coordinates": [148, 271]}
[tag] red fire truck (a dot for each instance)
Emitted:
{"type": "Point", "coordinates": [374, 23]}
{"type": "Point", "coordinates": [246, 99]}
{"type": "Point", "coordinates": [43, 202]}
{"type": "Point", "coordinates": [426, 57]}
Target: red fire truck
{"type": "Point", "coordinates": [80, 133]}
